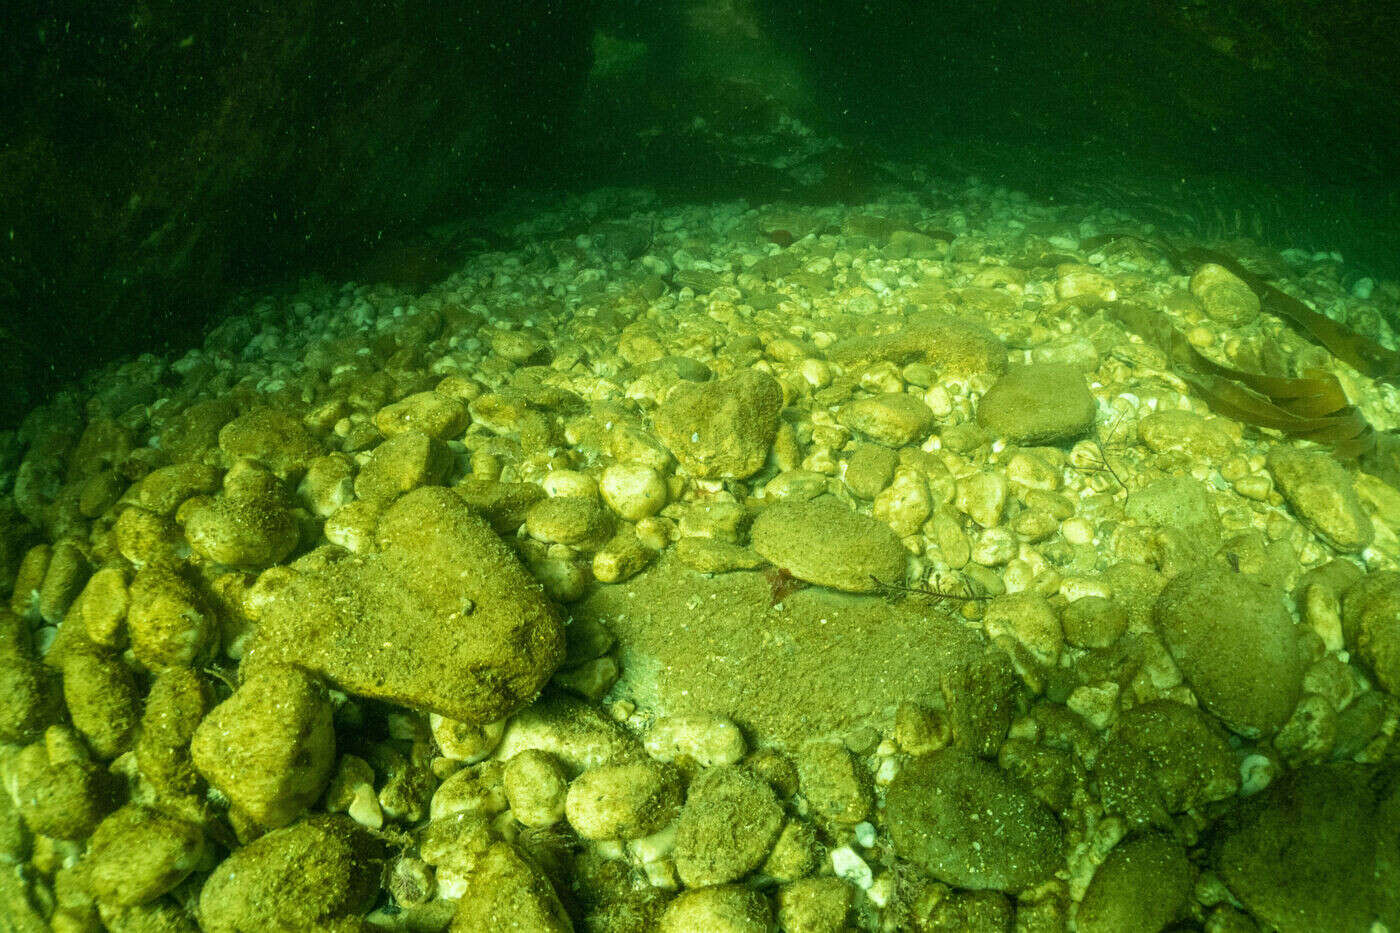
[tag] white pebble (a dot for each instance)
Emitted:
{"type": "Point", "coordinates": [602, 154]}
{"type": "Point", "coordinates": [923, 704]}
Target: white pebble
{"type": "Point", "coordinates": [851, 867]}
{"type": "Point", "coordinates": [569, 484]}
{"type": "Point", "coordinates": [1256, 773]}
{"type": "Point", "coordinates": [633, 490]}
{"type": "Point", "coordinates": [1077, 531]}
{"type": "Point", "coordinates": [939, 401]}
{"type": "Point", "coordinates": [710, 740]}
{"type": "Point", "coordinates": [882, 891]}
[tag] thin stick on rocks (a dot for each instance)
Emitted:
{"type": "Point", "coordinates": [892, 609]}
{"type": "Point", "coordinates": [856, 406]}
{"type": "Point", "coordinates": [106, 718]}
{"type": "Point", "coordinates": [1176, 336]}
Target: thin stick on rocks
{"type": "Point", "coordinates": [894, 591]}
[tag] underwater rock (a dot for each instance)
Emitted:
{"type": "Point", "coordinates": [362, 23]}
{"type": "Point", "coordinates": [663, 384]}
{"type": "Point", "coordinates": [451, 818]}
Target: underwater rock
{"type": "Point", "coordinates": [301, 877]}
{"type": "Point", "coordinates": [270, 746]}
{"type": "Point", "coordinates": [824, 542]}
{"type": "Point", "coordinates": [1292, 855]}
{"type": "Point", "coordinates": [1237, 646]}
{"type": "Point", "coordinates": [953, 347]}
{"type": "Point", "coordinates": [441, 417]}
{"type": "Point", "coordinates": [137, 854]}
{"type": "Point", "coordinates": [30, 698]}
{"type": "Point", "coordinates": [1043, 403]}
{"type": "Point", "coordinates": [177, 704]}
{"type": "Point", "coordinates": [58, 789]}
{"type": "Point", "coordinates": [536, 788]}
{"type": "Point", "coordinates": [732, 908]}
{"type": "Point", "coordinates": [102, 700]}
{"type": "Point", "coordinates": [835, 783]}
{"type": "Point", "coordinates": [811, 904]}
{"type": "Point", "coordinates": [1179, 502]}
{"type": "Point", "coordinates": [624, 801]}
{"type": "Point", "coordinates": [1139, 888]}
{"type": "Point", "coordinates": [247, 531]}
{"type": "Point", "coordinates": [274, 438]}
{"type": "Point", "coordinates": [169, 623]}
{"type": "Point", "coordinates": [1371, 625]}
{"type": "Point", "coordinates": [722, 429]}
{"type": "Point", "coordinates": [1164, 758]}
{"type": "Point", "coordinates": [405, 461]}
{"type": "Point", "coordinates": [442, 617]}
{"type": "Point", "coordinates": [1224, 296]}
{"type": "Point", "coordinates": [730, 822]}
{"type": "Point", "coordinates": [869, 469]}
{"type": "Point", "coordinates": [505, 884]}
{"type": "Point", "coordinates": [892, 418]}
{"type": "Point", "coordinates": [1321, 492]}
{"type": "Point", "coordinates": [968, 824]}
{"type": "Point", "coordinates": [1197, 437]}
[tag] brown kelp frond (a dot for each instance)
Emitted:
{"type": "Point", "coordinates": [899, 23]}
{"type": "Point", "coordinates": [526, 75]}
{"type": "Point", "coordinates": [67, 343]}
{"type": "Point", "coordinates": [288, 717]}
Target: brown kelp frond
{"type": "Point", "coordinates": [1361, 353]}
{"type": "Point", "coordinates": [1310, 407]}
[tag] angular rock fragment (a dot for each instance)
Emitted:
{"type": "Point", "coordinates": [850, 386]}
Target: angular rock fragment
{"type": "Point", "coordinates": [441, 617]}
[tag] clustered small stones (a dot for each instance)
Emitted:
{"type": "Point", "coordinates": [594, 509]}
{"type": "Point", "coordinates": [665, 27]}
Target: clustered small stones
{"type": "Point", "coordinates": [876, 408]}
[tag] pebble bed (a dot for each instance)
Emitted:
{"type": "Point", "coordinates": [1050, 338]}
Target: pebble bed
{"type": "Point", "coordinates": [325, 624]}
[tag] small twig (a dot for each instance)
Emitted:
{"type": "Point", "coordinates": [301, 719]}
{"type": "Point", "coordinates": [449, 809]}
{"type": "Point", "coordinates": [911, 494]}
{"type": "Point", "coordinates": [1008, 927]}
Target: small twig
{"type": "Point", "coordinates": [1105, 465]}
{"type": "Point", "coordinates": [900, 590]}
{"type": "Point", "coordinates": [221, 676]}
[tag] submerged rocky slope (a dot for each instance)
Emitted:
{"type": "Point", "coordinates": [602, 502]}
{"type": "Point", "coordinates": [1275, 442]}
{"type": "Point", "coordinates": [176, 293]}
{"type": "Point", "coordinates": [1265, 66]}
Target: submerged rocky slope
{"type": "Point", "coordinates": [701, 568]}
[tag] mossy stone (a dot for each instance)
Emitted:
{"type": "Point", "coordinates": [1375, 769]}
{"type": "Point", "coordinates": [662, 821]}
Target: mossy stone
{"type": "Point", "coordinates": [968, 824]}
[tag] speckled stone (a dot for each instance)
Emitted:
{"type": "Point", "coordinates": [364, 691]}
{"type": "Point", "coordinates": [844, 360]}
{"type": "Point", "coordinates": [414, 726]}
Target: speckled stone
{"type": "Point", "coordinates": [1237, 646]}
{"type": "Point", "coordinates": [407, 460]}
{"type": "Point", "coordinates": [244, 532]}
{"type": "Point", "coordinates": [568, 520]}
{"type": "Point", "coordinates": [722, 908]}
{"type": "Point", "coordinates": [1139, 888]}
{"type": "Point", "coordinates": [968, 824]}
{"type": "Point", "coordinates": [1176, 502]}
{"type": "Point", "coordinates": [1042, 403]}
{"type": "Point", "coordinates": [1176, 430]}
{"type": "Point", "coordinates": [440, 617]}
{"type": "Point", "coordinates": [438, 416]}
{"type": "Point", "coordinates": [1165, 758]}
{"type": "Point", "coordinates": [1225, 297]}
{"type": "Point", "coordinates": [1293, 852]}
{"type": "Point", "coordinates": [138, 853]}
{"type": "Point", "coordinates": [953, 347]}
{"type": "Point", "coordinates": [824, 542]}
{"type": "Point", "coordinates": [269, 747]}
{"type": "Point", "coordinates": [730, 822]}
{"type": "Point", "coordinates": [1371, 625]}
{"type": "Point", "coordinates": [30, 699]}
{"type": "Point", "coordinates": [504, 883]}
{"type": "Point", "coordinates": [722, 429]}
{"type": "Point", "coordinates": [1321, 493]}
{"type": "Point", "coordinates": [624, 801]}
{"type": "Point", "coordinates": [869, 469]}
{"type": "Point", "coordinates": [301, 877]}
{"type": "Point", "coordinates": [274, 438]}
{"type": "Point", "coordinates": [892, 418]}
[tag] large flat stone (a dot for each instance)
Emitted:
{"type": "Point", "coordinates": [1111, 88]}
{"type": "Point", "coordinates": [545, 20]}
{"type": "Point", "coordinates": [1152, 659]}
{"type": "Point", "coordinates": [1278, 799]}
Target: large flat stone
{"type": "Point", "coordinates": [821, 664]}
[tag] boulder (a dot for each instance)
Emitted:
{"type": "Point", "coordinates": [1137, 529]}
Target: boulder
{"type": "Point", "coordinates": [1237, 646]}
{"type": "Point", "coordinates": [968, 824]}
{"type": "Point", "coordinates": [1043, 403]}
{"type": "Point", "coordinates": [824, 542]}
{"type": "Point", "coordinates": [440, 617]}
